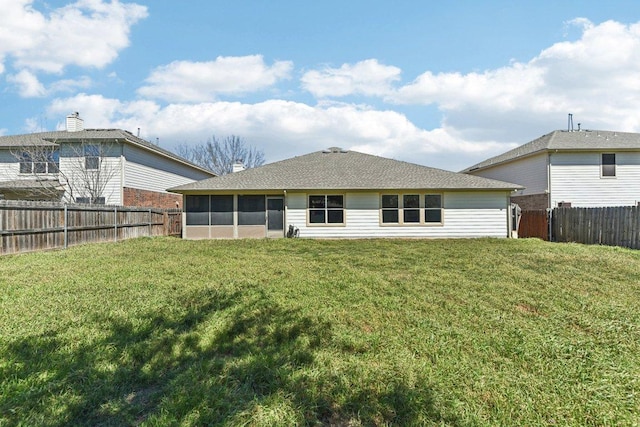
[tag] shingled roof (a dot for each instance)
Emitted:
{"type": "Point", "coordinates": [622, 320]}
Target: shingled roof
{"type": "Point", "coordinates": [562, 140]}
{"type": "Point", "coordinates": [343, 170]}
{"type": "Point", "coordinates": [54, 138]}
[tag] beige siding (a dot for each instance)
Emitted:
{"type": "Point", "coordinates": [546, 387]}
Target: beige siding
{"type": "Point", "coordinates": [530, 172]}
{"type": "Point", "coordinates": [466, 214]}
{"type": "Point", "coordinates": [150, 171]}
{"type": "Point", "coordinates": [576, 178]}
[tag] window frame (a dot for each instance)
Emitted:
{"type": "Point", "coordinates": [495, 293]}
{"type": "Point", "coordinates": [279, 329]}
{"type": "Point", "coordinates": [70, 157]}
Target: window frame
{"type": "Point", "coordinates": [401, 215]}
{"type": "Point", "coordinates": [48, 163]}
{"type": "Point", "coordinates": [608, 170]}
{"type": "Point", "coordinates": [439, 208]}
{"type": "Point", "coordinates": [326, 210]}
{"type": "Point", "coordinates": [91, 156]}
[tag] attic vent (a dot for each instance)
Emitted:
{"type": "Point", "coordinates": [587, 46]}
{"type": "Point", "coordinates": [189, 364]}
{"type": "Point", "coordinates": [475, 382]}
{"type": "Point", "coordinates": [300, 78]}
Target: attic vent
{"type": "Point", "coordinates": [334, 150]}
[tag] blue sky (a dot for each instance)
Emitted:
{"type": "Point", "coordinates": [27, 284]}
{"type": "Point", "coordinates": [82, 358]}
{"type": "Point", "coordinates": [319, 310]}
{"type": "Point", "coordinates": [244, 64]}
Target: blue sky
{"type": "Point", "coordinates": [444, 84]}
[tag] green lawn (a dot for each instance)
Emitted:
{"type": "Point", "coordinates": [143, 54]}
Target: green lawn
{"type": "Point", "coordinates": [299, 332]}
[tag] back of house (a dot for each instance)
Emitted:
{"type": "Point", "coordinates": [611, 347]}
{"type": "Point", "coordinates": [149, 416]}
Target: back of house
{"type": "Point", "coordinates": [570, 169]}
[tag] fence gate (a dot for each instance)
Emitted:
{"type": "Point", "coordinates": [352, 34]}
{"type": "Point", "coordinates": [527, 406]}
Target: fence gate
{"type": "Point", "coordinates": [534, 224]}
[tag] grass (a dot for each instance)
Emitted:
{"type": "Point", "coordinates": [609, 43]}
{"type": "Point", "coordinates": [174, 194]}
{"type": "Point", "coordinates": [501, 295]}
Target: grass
{"type": "Point", "coordinates": [301, 332]}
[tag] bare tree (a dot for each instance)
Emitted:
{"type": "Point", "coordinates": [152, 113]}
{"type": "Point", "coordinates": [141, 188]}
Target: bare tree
{"type": "Point", "coordinates": [83, 177]}
{"type": "Point", "coordinates": [219, 155]}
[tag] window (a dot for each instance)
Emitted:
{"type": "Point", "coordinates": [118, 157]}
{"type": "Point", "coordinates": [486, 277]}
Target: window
{"type": "Point", "coordinates": [197, 210]}
{"type": "Point", "coordinates": [390, 208]}
{"type": "Point", "coordinates": [432, 208]}
{"type": "Point", "coordinates": [26, 164]}
{"type": "Point", "coordinates": [608, 164]}
{"type": "Point", "coordinates": [45, 162]}
{"type": "Point", "coordinates": [91, 157]}
{"type": "Point", "coordinates": [411, 209]}
{"type": "Point", "coordinates": [251, 210]}
{"type": "Point", "coordinates": [222, 210]}
{"type": "Point", "coordinates": [87, 200]}
{"type": "Point", "coordinates": [326, 209]}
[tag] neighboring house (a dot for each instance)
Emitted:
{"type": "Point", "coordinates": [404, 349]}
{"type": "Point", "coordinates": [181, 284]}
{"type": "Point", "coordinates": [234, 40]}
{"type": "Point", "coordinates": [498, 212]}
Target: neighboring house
{"type": "Point", "coordinates": [101, 166]}
{"type": "Point", "coordinates": [571, 169]}
{"type": "Point", "coordinates": [345, 194]}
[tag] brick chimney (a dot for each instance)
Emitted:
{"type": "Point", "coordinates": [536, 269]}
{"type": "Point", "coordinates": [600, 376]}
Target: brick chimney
{"type": "Point", "coordinates": [74, 122]}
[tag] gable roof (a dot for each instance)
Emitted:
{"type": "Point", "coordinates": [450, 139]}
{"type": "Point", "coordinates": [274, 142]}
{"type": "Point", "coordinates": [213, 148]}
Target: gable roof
{"type": "Point", "coordinates": [54, 138]}
{"type": "Point", "coordinates": [562, 140]}
{"type": "Point", "coordinates": [343, 170]}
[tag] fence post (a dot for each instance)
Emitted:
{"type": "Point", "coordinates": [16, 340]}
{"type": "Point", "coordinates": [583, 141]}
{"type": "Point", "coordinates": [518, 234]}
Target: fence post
{"type": "Point", "coordinates": [66, 226]}
{"type": "Point", "coordinates": [165, 220]}
{"type": "Point", "coordinates": [150, 224]}
{"type": "Point", "coordinates": [115, 224]}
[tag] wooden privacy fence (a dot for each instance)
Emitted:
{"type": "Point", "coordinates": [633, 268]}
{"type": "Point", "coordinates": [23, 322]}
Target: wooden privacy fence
{"type": "Point", "coordinates": [32, 226]}
{"type": "Point", "coordinates": [534, 224]}
{"type": "Point", "coordinates": [613, 226]}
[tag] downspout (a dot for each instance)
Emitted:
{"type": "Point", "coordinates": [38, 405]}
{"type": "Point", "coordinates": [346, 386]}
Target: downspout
{"type": "Point", "coordinates": [284, 222]}
{"type": "Point", "coordinates": [549, 179]}
{"type": "Point", "coordinates": [122, 164]}
{"type": "Point", "coordinates": [549, 210]}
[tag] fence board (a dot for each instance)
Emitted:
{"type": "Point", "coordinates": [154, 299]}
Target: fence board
{"type": "Point", "coordinates": [612, 226]}
{"type": "Point", "coordinates": [534, 224]}
{"type": "Point", "coordinates": [32, 226]}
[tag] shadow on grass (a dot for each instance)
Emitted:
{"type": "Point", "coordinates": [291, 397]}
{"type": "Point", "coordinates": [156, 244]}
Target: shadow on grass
{"type": "Point", "coordinates": [227, 359]}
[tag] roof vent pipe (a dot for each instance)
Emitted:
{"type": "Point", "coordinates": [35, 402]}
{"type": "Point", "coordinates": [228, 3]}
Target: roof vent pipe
{"type": "Point", "coordinates": [570, 123]}
{"type": "Point", "coordinates": [74, 122]}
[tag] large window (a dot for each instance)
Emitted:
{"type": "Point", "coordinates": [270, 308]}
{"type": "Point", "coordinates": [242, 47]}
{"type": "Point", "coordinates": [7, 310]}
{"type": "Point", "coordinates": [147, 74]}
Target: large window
{"type": "Point", "coordinates": [40, 163]}
{"type": "Point", "coordinates": [251, 210]}
{"type": "Point", "coordinates": [402, 209]}
{"type": "Point", "coordinates": [222, 210]}
{"type": "Point", "coordinates": [197, 210]}
{"type": "Point", "coordinates": [608, 164]}
{"type": "Point", "coordinates": [326, 209]}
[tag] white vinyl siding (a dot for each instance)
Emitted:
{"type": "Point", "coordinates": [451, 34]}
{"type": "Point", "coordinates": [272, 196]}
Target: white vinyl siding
{"type": "Point", "coordinates": [10, 167]}
{"type": "Point", "coordinates": [110, 165]}
{"type": "Point", "coordinates": [149, 171]}
{"type": "Point", "coordinates": [530, 172]}
{"type": "Point", "coordinates": [465, 214]}
{"type": "Point", "coordinates": [577, 178]}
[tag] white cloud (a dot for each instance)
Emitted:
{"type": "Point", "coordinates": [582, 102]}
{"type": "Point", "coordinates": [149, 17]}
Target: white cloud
{"type": "Point", "coordinates": [28, 84]}
{"type": "Point", "coordinates": [87, 33]}
{"type": "Point", "coordinates": [281, 128]}
{"type": "Point", "coordinates": [186, 81]}
{"type": "Point", "coordinates": [70, 85]}
{"type": "Point", "coordinates": [483, 112]}
{"type": "Point", "coordinates": [594, 77]}
{"type": "Point", "coordinates": [367, 77]}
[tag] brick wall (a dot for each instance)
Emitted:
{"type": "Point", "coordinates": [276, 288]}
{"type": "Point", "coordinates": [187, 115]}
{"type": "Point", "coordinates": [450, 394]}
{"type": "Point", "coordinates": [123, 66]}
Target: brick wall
{"type": "Point", "coordinates": [531, 202]}
{"type": "Point", "coordinates": [151, 199]}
